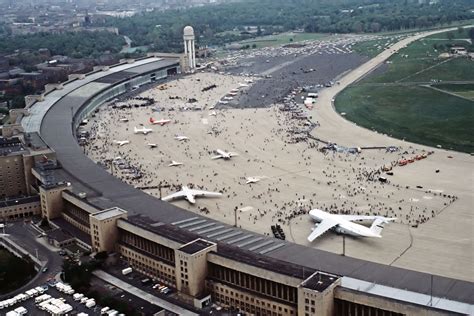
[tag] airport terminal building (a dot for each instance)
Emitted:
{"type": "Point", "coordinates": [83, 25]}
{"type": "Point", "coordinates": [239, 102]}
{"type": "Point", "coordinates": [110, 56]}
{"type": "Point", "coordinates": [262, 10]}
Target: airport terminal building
{"type": "Point", "coordinates": [204, 260]}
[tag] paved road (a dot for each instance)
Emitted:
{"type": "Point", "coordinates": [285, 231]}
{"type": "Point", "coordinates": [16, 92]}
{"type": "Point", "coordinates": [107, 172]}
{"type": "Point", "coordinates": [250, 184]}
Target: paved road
{"type": "Point", "coordinates": [25, 236]}
{"type": "Point", "coordinates": [142, 294]}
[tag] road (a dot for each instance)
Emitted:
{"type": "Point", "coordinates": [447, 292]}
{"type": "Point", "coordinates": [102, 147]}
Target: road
{"type": "Point", "coordinates": [142, 294]}
{"type": "Point", "coordinates": [25, 236]}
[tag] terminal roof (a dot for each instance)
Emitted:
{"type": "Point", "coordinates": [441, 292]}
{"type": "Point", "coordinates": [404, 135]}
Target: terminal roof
{"type": "Point", "coordinates": [196, 246]}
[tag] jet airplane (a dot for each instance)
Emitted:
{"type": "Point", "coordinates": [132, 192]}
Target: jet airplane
{"type": "Point", "coordinates": [160, 122]}
{"type": "Point", "coordinates": [121, 142]}
{"type": "Point", "coordinates": [224, 154]}
{"type": "Point", "coordinates": [181, 138]}
{"type": "Point", "coordinates": [343, 224]}
{"type": "Point", "coordinates": [142, 130]}
{"type": "Point", "coordinates": [175, 163]}
{"type": "Point", "coordinates": [152, 145]}
{"type": "Point", "coordinates": [190, 195]}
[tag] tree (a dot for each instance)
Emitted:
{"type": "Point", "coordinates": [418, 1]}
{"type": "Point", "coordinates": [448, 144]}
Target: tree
{"type": "Point", "coordinates": [450, 36]}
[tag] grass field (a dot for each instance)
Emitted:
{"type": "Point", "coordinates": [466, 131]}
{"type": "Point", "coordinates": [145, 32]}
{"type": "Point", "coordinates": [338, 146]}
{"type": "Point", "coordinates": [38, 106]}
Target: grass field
{"type": "Point", "coordinates": [413, 113]}
{"type": "Point", "coordinates": [464, 90]}
{"type": "Point", "coordinates": [398, 102]}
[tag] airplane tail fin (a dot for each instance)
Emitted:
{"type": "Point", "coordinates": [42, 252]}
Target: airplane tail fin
{"type": "Point", "coordinates": [152, 120]}
{"type": "Point", "coordinates": [379, 224]}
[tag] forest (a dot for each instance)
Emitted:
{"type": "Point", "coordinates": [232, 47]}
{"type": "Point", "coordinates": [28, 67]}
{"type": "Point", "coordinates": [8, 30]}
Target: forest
{"type": "Point", "coordinates": [220, 24]}
{"type": "Point", "coordinates": [225, 23]}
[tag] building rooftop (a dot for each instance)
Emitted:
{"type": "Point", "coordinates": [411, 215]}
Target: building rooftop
{"type": "Point", "coordinates": [109, 213]}
{"type": "Point", "coordinates": [19, 201]}
{"type": "Point", "coordinates": [162, 229]}
{"type": "Point", "coordinates": [10, 146]}
{"type": "Point", "coordinates": [264, 262]}
{"type": "Point", "coordinates": [196, 246]}
{"type": "Point", "coordinates": [319, 281]}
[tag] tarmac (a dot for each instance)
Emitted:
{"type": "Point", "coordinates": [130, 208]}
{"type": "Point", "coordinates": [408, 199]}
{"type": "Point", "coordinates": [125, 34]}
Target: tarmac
{"type": "Point", "coordinates": [433, 231]}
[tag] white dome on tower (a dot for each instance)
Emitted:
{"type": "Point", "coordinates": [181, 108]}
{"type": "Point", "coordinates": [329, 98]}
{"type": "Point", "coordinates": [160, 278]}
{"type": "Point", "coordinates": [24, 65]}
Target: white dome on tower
{"type": "Point", "coordinates": [188, 31]}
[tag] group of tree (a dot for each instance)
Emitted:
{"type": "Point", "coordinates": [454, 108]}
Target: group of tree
{"type": "Point", "coordinates": [213, 24]}
{"type": "Point", "coordinates": [72, 44]}
{"type": "Point", "coordinates": [14, 271]}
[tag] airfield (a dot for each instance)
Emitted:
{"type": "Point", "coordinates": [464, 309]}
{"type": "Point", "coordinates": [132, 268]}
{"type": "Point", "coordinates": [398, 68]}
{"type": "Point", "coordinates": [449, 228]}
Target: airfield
{"type": "Point", "coordinates": [433, 231]}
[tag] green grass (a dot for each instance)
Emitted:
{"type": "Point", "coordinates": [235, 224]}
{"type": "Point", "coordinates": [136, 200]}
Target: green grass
{"type": "Point", "coordinates": [398, 103]}
{"type": "Point", "coordinates": [464, 90]}
{"type": "Point", "coordinates": [414, 113]}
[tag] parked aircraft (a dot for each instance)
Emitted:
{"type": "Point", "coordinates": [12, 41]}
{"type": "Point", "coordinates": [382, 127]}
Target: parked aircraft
{"type": "Point", "coordinates": [174, 163]}
{"type": "Point", "coordinates": [181, 138]}
{"type": "Point", "coordinates": [121, 142]}
{"type": "Point", "coordinates": [243, 85]}
{"type": "Point", "coordinates": [213, 113]}
{"type": "Point", "coordinates": [343, 224]}
{"type": "Point", "coordinates": [224, 154]}
{"type": "Point", "coordinates": [190, 195]}
{"type": "Point", "coordinates": [160, 122]}
{"type": "Point", "coordinates": [152, 145]}
{"type": "Point", "coordinates": [125, 120]}
{"type": "Point", "coordinates": [142, 130]}
{"type": "Point", "coordinates": [223, 102]}
{"type": "Point", "coordinates": [253, 179]}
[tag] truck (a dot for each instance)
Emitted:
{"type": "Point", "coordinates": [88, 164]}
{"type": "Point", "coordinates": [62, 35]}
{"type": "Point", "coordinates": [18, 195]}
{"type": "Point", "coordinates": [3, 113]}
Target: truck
{"type": "Point", "coordinates": [77, 296]}
{"type": "Point", "coordinates": [90, 303]}
{"type": "Point", "coordinates": [21, 310]}
{"type": "Point", "coordinates": [127, 271]}
{"type": "Point", "coordinates": [42, 298]}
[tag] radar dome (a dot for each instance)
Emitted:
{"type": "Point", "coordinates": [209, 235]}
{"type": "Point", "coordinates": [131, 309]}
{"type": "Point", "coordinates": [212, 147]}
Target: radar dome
{"type": "Point", "coordinates": [188, 31]}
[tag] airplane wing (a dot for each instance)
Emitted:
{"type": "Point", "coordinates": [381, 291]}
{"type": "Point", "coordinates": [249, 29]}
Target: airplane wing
{"type": "Point", "coordinates": [323, 227]}
{"type": "Point", "coordinates": [216, 157]}
{"type": "Point", "coordinates": [205, 193]}
{"type": "Point", "coordinates": [358, 217]}
{"type": "Point", "coordinates": [174, 196]}
{"type": "Point", "coordinates": [364, 217]}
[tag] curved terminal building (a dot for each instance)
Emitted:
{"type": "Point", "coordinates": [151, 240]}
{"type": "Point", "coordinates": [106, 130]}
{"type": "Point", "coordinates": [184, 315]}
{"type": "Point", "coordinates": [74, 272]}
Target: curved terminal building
{"type": "Point", "coordinates": [205, 260]}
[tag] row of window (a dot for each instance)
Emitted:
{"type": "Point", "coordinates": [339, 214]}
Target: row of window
{"type": "Point", "coordinates": [248, 303]}
{"type": "Point", "coordinates": [147, 246]}
{"type": "Point", "coordinates": [253, 283]}
{"type": "Point", "coordinates": [152, 268]}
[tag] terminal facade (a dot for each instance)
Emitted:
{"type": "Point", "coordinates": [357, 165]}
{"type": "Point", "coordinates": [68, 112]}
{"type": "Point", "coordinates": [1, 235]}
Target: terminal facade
{"type": "Point", "coordinates": [203, 270]}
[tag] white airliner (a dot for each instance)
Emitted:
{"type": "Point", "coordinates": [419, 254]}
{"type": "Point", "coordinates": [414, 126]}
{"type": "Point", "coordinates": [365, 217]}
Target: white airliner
{"type": "Point", "coordinates": [234, 90]}
{"type": "Point", "coordinates": [213, 113]}
{"type": "Point", "coordinates": [224, 154]}
{"type": "Point", "coordinates": [232, 94]}
{"type": "Point", "coordinates": [243, 85]}
{"type": "Point", "coordinates": [142, 130]}
{"type": "Point", "coordinates": [248, 80]}
{"type": "Point", "coordinates": [181, 138]}
{"type": "Point", "coordinates": [121, 142]}
{"type": "Point", "coordinates": [190, 195]}
{"type": "Point", "coordinates": [175, 163]}
{"type": "Point", "coordinates": [223, 102]}
{"type": "Point", "coordinates": [253, 179]}
{"type": "Point", "coordinates": [343, 224]}
{"type": "Point", "coordinates": [228, 98]}
{"type": "Point", "coordinates": [152, 145]}
{"type": "Point", "coordinates": [160, 122]}
{"type": "Point", "coordinates": [125, 120]}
